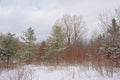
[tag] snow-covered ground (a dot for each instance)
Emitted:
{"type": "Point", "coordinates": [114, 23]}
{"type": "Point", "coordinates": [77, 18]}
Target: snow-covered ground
{"type": "Point", "coordinates": [31, 72]}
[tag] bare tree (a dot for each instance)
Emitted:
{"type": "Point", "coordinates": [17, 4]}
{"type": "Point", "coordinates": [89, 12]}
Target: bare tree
{"type": "Point", "coordinates": [78, 28]}
{"type": "Point", "coordinates": [67, 26]}
{"type": "Point", "coordinates": [104, 21]}
{"type": "Point", "coordinates": [73, 27]}
{"type": "Point", "coordinates": [117, 13]}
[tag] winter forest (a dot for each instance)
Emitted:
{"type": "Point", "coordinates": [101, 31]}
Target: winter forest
{"type": "Point", "coordinates": [66, 54]}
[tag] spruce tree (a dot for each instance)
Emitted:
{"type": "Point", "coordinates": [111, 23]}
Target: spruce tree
{"type": "Point", "coordinates": [110, 42]}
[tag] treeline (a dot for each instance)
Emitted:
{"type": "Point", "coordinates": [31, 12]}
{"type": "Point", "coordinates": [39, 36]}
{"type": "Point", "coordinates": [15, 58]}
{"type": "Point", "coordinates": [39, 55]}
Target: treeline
{"type": "Point", "coordinates": [17, 49]}
{"type": "Point", "coordinates": [66, 44]}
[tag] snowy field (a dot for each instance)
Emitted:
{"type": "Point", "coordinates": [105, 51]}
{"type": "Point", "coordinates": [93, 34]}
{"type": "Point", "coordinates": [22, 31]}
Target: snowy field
{"type": "Point", "coordinates": [32, 72]}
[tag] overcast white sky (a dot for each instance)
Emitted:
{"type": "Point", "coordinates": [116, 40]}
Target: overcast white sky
{"type": "Point", "coordinates": [17, 15]}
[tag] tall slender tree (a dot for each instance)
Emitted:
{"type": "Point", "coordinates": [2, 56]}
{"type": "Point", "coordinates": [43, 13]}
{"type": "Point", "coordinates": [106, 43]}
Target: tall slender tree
{"type": "Point", "coordinates": [56, 40]}
{"type": "Point", "coordinates": [56, 44]}
{"type": "Point", "coordinates": [29, 38]}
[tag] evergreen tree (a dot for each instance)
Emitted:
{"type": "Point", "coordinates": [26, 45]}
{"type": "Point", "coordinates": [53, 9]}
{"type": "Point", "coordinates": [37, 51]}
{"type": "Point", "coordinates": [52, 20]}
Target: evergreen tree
{"type": "Point", "coordinates": [10, 44]}
{"type": "Point", "coordinates": [110, 42]}
{"type": "Point", "coordinates": [56, 45]}
{"type": "Point", "coordinates": [29, 38]}
{"type": "Point", "coordinates": [57, 39]}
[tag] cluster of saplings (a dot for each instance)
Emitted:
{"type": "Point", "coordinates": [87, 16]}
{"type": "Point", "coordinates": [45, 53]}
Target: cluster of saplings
{"type": "Point", "coordinates": [66, 43]}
